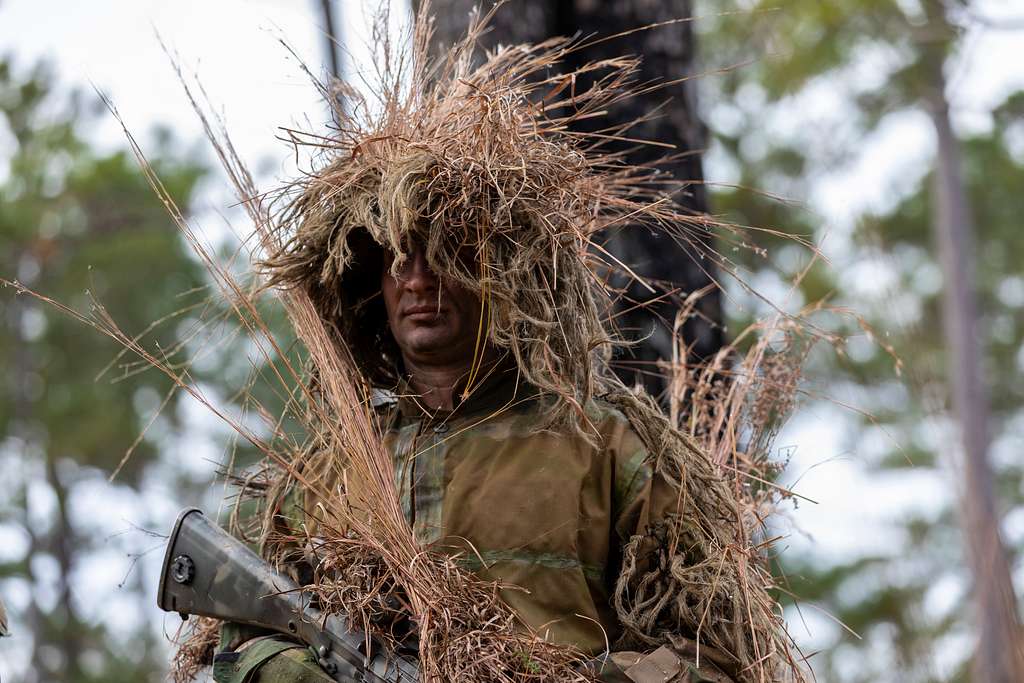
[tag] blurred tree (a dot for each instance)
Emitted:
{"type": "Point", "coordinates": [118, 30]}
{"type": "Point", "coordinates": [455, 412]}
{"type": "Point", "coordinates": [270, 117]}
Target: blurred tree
{"type": "Point", "coordinates": [331, 37]}
{"type": "Point", "coordinates": [838, 73]}
{"type": "Point", "coordinates": [668, 53]}
{"type": "Point", "coordinates": [75, 224]}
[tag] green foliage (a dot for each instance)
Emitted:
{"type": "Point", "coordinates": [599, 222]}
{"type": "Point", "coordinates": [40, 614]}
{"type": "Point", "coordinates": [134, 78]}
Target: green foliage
{"type": "Point", "coordinates": [77, 226]}
{"type": "Point", "coordinates": [80, 227]}
{"type": "Point", "coordinates": [877, 58]}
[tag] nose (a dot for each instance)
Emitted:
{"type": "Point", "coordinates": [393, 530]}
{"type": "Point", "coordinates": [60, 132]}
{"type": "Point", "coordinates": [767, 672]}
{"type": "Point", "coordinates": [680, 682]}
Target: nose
{"type": "Point", "coordinates": [416, 275]}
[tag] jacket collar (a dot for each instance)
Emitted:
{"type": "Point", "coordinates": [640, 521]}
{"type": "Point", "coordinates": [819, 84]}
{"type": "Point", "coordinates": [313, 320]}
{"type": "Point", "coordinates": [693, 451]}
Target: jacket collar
{"type": "Point", "coordinates": [501, 387]}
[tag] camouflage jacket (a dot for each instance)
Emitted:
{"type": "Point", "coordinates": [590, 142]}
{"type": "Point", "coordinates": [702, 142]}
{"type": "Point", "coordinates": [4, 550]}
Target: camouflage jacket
{"type": "Point", "coordinates": [538, 510]}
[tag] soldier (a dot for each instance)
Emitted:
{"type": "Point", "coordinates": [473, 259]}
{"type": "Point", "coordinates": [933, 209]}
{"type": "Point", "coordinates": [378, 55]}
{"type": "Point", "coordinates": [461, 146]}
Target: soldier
{"type": "Point", "coordinates": [447, 245]}
{"type": "Point", "coordinates": [546, 512]}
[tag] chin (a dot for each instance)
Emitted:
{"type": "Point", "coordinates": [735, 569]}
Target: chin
{"type": "Point", "coordinates": [430, 344]}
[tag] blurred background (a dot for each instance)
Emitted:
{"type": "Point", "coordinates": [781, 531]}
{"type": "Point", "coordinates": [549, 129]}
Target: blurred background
{"type": "Point", "coordinates": [890, 132]}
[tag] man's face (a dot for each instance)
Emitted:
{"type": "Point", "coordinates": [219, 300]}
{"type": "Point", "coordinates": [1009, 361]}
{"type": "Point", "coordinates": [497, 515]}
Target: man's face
{"type": "Point", "coordinates": [434, 323]}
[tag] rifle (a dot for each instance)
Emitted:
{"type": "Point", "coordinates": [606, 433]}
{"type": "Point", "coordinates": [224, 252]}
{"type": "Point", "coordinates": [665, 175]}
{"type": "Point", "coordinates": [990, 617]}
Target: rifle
{"type": "Point", "coordinates": [209, 573]}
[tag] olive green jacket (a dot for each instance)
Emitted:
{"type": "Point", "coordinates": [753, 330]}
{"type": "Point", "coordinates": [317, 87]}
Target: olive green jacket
{"type": "Point", "coordinates": [542, 511]}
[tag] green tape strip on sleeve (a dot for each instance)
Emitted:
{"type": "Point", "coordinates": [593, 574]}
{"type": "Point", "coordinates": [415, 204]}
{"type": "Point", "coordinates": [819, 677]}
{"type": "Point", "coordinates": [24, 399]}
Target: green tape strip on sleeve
{"type": "Point", "coordinates": [238, 667]}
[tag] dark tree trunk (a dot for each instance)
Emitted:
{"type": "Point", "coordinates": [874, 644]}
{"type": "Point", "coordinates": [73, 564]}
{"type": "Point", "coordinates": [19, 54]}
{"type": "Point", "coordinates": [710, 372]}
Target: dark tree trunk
{"type": "Point", "coordinates": [668, 53]}
{"type": "Point", "coordinates": [332, 51]}
{"type": "Point", "coordinates": [64, 545]}
{"type": "Point", "coordinates": [331, 38]}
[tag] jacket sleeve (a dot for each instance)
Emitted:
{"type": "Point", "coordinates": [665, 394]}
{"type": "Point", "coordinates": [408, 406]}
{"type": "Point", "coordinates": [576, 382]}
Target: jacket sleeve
{"type": "Point", "coordinates": [663, 665]}
{"type": "Point", "coordinates": [643, 504]}
{"type": "Point", "coordinates": [264, 658]}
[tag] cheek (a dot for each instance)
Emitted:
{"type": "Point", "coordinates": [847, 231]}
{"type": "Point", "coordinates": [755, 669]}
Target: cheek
{"type": "Point", "coordinates": [463, 299]}
{"type": "Point", "coordinates": [389, 292]}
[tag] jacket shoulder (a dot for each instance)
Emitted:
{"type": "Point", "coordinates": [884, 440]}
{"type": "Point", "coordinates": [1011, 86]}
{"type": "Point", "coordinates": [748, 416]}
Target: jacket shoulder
{"type": "Point", "coordinates": [615, 428]}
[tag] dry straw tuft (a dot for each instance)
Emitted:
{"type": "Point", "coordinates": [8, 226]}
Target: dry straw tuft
{"type": "Point", "coordinates": [196, 641]}
{"type": "Point", "coordinates": [474, 155]}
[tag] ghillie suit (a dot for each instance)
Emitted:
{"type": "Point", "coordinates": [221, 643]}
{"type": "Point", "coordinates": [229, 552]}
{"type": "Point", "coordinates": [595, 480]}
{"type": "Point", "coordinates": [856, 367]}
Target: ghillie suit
{"type": "Point", "coordinates": [473, 157]}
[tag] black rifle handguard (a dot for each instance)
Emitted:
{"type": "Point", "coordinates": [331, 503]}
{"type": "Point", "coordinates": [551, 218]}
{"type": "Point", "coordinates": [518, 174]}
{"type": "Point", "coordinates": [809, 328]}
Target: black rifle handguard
{"type": "Point", "coordinates": [209, 573]}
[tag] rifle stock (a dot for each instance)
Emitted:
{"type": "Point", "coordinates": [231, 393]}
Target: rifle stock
{"type": "Point", "coordinates": [207, 572]}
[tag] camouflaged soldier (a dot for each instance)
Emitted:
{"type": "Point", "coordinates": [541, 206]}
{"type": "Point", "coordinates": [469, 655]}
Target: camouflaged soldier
{"type": "Point", "coordinates": [545, 512]}
{"type": "Point", "coordinates": [451, 241]}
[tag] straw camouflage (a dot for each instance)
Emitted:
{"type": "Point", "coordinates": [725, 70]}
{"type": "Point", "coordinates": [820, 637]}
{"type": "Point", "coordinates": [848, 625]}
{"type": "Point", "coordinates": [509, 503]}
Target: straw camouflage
{"type": "Point", "coordinates": [621, 519]}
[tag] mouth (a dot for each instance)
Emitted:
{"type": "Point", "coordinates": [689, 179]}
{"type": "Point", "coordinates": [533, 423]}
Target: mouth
{"type": "Point", "coordinates": [423, 312]}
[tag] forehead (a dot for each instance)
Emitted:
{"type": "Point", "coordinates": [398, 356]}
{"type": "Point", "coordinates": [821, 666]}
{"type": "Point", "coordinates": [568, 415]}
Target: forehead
{"type": "Point", "coordinates": [465, 253]}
